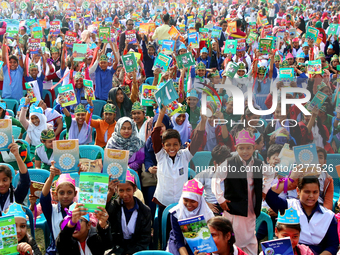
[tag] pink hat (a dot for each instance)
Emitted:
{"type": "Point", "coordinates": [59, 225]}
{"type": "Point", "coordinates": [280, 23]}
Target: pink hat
{"type": "Point", "coordinates": [289, 55]}
{"type": "Point", "coordinates": [65, 178]}
{"type": "Point", "coordinates": [243, 137]}
{"type": "Point", "coordinates": [193, 186]}
{"type": "Point", "coordinates": [295, 39]}
{"type": "Point", "coordinates": [130, 177]}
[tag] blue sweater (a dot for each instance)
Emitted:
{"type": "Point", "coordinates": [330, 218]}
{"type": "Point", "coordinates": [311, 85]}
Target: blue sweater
{"type": "Point", "coordinates": [147, 61]}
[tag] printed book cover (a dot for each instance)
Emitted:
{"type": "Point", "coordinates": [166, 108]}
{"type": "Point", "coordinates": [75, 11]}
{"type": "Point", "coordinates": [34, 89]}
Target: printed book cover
{"type": "Point", "coordinates": [67, 96]}
{"type": "Point", "coordinates": [116, 163]}
{"type": "Point", "coordinates": [281, 246]}
{"type": "Point", "coordinates": [66, 155]}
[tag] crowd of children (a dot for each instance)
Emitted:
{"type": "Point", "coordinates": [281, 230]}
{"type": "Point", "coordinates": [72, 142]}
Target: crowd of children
{"type": "Point", "coordinates": [236, 84]}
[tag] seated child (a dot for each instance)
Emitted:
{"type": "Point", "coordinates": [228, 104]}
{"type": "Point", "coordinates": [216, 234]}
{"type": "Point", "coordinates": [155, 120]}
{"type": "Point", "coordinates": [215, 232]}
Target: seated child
{"type": "Point", "coordinates": [130, 219]}
{"type": "Point", "coordinates": [190, 204]}
{"type": "Point", "coordinates": [77, 236]}
{"type": "Point", "coordinates": [26, 244]}
{"type": "Point", "coordinates": [180, 121]}
{"type": "Point", "coordinates": [44, 151]}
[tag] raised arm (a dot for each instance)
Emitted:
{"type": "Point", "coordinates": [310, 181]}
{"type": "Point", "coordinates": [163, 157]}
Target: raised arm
{"type": "Point", "coordinates": [22, 117]}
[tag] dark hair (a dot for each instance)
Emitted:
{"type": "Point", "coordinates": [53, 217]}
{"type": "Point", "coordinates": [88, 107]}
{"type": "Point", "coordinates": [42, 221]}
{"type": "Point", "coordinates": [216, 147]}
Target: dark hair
{"type": "Point", "coordinates": [307, 180]}
{"type": "Point", "coordinates": [282, 226]}
{"type": "Point", "coordinates": [238, 22]}
{"type": "Point", "coordinates": [166, 17]}
{"type": "Point", "coordinates": [4, 110]}
{"type": "Point", "coordinates": [129, 21]}
{"type": "Point", "coordinates": [14, 58]}
{"type": "Point", "coordinates": [224, 225]}
{"type": "Point", "coordinates": [171, 133]}
{"type": "Point", "coordinates": [7, 171]}
{"type": "Point", "coordinates": [198, 25]}
{"type": "Point", "coordinates": [220, 153]}
{"type": "Point", "coordinates": [322, 150]}
{"type": "Point", "coordinates": [274, 148]}
{"type": "Point", "coordinates": [322, 130]}
{"type": "Point", "coordinates": [222, 22]}
{"type": "Point", "coordinates": [258, 140]}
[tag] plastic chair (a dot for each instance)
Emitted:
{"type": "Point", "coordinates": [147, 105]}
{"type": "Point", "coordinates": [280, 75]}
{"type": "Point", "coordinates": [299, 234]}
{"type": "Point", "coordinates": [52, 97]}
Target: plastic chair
{"type": "Point", "coordinates": [265, 217]}
{"type": "Point", "coordinates": [96, 117]}
{"type": "Point", "coordinates": [156, 227]}
{"type": "Point", "coordinates": [62, 135]}
{"type": "Point", "coordinates": [90, 151]}
{"type": "Point", "coordinates": [37, 175]}
{"type": "Point", "coordinates": [30, 219]}
{"type": "Point", "coordinates": [201, 159]}
{"type": "Point", "coordinates": [164, 222]}
{"type": "Point", "coordinates": [332, 161]}
{"type": "Point", "coordinates": [12, 104]}
{"type": "Point", "coordinates": [49, 94]}
{"type": "Point", "coordinates": [10, 112]}
{"type": "Point", "coordinates": [93, 137]}
{"type": "Point", "coordinates": [149, 80]}
{"type": "Point", "coordinates": [134, 173]}
{"type": "Point", "coordinates": [24, 135]}
{"type": "Point", "coordinates": [156, 252]}
{"type": "Point", "coordinates": [12, 170]}
{"type": "Point", "coordinates": [56, 91]}
{"type": "Point", "coordinates": [16, 132]}
{"type": "Point", "coordinates": [75, 176]}
{"type": "Point", "coordinates": [191, 174]}
{"type": "Point", "coordinates": [98, 107]}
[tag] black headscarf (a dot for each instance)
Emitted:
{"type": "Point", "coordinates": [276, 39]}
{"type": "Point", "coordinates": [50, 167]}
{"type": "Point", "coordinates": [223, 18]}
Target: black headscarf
{"type": "Point", "coordinates": [126, 105]}
{"type": "Point", "coordinates": [302, 25]}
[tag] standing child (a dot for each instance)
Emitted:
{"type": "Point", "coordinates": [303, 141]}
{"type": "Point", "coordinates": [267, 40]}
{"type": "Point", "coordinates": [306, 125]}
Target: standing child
{"type": "Point", "coordinates": [34, 74]}
{"type": "Point", "coordinates": [242, 197]}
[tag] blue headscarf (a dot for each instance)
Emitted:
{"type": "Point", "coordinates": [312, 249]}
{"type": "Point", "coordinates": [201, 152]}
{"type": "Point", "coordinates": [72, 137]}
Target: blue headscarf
{"type": "Point", "coordinates": [166, 121]}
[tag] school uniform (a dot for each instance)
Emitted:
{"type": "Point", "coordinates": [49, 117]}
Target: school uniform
{"type": "Point", "coordinates": [318, 230]}
{"type": "Point", "coordinates": [14, 89]}
{"type": "Point", "coordinates": [40, 79]}
{"type": "Point", "coordinates": [44, 155]}
{"type": "Point", "coordinates": [103, 82]}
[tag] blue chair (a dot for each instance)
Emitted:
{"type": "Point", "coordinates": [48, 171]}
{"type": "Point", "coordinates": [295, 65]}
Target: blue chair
{"type": "Point", "coordinates": [93, 137]}
{"type": "Point", "coordinates": [201, 160]}
{"type": "Point", "coordinates": [90, 151]}
{"type": "Point", "coordinates": [10, 112]}
{"type": "Point", "coordinates": [75, 176]}
{"type": "Point", "coordinates": [16, 132]}
{"type": "Point", "coordinates": [12, 104]}
{"type": "Point", "coordinates": [191, 174]}
{"type": "Point", "coordinates": [156, 252]}
{"type": "Point", "coordinates": [12, 170]}
{"type": "Point", "coordinates": [98, 107]}
{"type": "Point", "coordinates": [263, 217]}
{"type": "Point", "coordinates": [149, 80]}
{"type": "Point", "coordinates": [156, 227]}
{"type": "Point", "coordinates": [63, 135]}
{"type": "Point", "coordinates": [49, 94]}
{"type": "Point", "coordinates": [56, 91]}
{"type": "Point", "coordinates": [164, 223]}
{"type": "Point", "coordinates": [37, 175]}
{"type": "Point", "coordinates": [96, 117]}
{"type": "Point", "coordinates": [30, 219]}
{"type": "Point", "coordinates": [134, 173]}
{"type": "Point", "coordinates": [332, 161]}
{"type": "Point", "coordinates": [24, 135]}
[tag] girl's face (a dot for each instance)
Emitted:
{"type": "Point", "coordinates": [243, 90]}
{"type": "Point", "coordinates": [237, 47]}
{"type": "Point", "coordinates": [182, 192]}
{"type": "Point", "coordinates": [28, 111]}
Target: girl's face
{"type": "Point", "coordinates": [21, 226]}
{"type": "Point", "coordinates": [65, 194]}
{"type": "Point", "coordinates": [289, 232]}
{"type": "Point", "coordinates": [80, 118]}
{"type": "Point", "coordinates": [49, 144]}
{"type": "Point", "coordinates": [180, 119]}
{"type": "Point", "coordinates": [191, 101]}
{"type": "Point", "coordinates": [241, 73]}
{"type": "Point", "coordinates": [120, 96]}
{"type": "Point", "coordinates": [182, 51]}
{"type": "Point", "coordinates": [126, 130]}
{"type": "Point", "coordinates": [309, 195]}
{"type": "Point", "coordinates": [229, 107]}
{"type": "Point", "coordinates": [83, 232]}
{"type": "Point", "coordinates": [35, 120]}
{"type": "Point", "coordinates": [259, 146]}
{"type": "Point", "coordinates": [125, 192]}
{"type": "Point", "coordinates": [79, 83]}
{"type": "Point", "coordinates": [151, 51]}
{"type": "Point", "coordinates": [220, 240]}
{"type": "Point", "coordinates": [201, 72]}
{"type": "Point", "coordinates": [5, 182]}
{"type": "Point", "coordinates": [190, 204]}
{"type": "Point", "coordinates": [137, 116]}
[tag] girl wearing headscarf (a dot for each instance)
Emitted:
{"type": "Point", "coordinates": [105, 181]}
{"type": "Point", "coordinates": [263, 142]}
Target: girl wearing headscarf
{"type": "Point", "coordinates": [78, 85]}
{"type": "Point", "coordinates": [302, 25]}
{"type": "Point", "coordinates": [125, 137]}
{"type": "Point", "coordinates": [191, 204]}
{"type": "Point", "coordinates": [121, 101]}
{"type": "Point", "coordinates": [36, 124]}
{"type": "Point", "coordinates": [318, 26]}
{"type": "Point", "coordinates": [180, 121]}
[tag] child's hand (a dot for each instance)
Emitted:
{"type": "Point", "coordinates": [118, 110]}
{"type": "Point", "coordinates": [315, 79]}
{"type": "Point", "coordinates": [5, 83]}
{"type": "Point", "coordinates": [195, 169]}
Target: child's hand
{"type": "Point", "coordinates": [27, 101]}
{"type": "Point", "coordinates": [213, 207]}
{"type": "Point", "coordinates": [153, 169]}
{"type": "Point", "coordinates": [32, 199]}
{"type": "Point", "coordinates": [14, 148]}
{"type": "Point", "coordinates": [77, 212]}
{"type": "Point", "coordinates": [199, 253]}
{"type": "Point", "coordinates": [163, 110]}
{"type": "Point", "coordinates": [24, 248]}
{"type": "Point", "coordinates": [54, 171]}
{"type": "Point", "coordinates": [113, 185]}
{"type": "Point", "coordinates": [102, 216]}
{"type": "Point", "coordinates": [89, 101]}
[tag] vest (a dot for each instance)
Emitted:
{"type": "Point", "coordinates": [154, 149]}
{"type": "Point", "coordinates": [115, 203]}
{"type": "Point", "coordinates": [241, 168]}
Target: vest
{"type": "Point", "coordinates": [236, 188]}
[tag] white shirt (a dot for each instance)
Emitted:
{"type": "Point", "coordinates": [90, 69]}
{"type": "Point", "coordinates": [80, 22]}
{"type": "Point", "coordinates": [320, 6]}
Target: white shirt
{"type": "Point", "coordinates": [15, 16]}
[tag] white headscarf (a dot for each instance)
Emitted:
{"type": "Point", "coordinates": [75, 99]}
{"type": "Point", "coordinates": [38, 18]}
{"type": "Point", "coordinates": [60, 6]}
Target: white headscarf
{"type": "Point", "coordinates": [184, 129]}
{"type": "Point", "coordinates": [33, 131]}
{"type": "Point", "coordinates": [202, 208]}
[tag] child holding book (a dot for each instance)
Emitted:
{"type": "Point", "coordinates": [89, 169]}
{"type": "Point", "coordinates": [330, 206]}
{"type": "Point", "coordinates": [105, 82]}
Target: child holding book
{"type": "Point", "coordinates": [129, 218]}
{"type": "Point", "coordinates": [104, 128]}
{"type": "Point", "coordinates": [77, 128]}
{"type": "Point", "coordinates": [242, 196]}
{"type": "Point", "coordinates": [44, 151]}
{"type": "Point", "coordinates": [190, 204]}
{"type": "Point", "coordinates": [172, 162]}
{"type": "Point", "coordinates": [79, 237]}
{"type": "Point", "coordinates": [64, 194]}
{"type": "Point", "coordinates": [26, 244]}
{"type": "Point", "coordinates": [8, 194]}
{"type": "Point", "coordinates": [318, 224]}
{"type": "Point", "coordinates": [34, 73]}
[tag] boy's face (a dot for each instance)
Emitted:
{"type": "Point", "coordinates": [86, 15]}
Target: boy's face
{"type": "Point", "coordinates": [245, 151]}
{"type": "Point", "coordinates": [151, 51]}
{"type": "Point", "coordinates": [103, 65]}
{"type": "Point", "coordinates": [80, 117]}
{"type": "Point", "coordinates": [192, 101]}
{"type": "Point", "coordinates": [289, 232]}
{"type": "Point", "coordinates": [34, 72]}
{"type": "Point", "coordinates": [322, 159]}
{"type": "Point", "coordinates": [204, 55]}
{"type": "Point", "coordinates": [48, 144]}
{"type": "Point", "coordinates": [241, 73]}
{"type": "Point", "coordinates": [79, 83]}
{"type": "Point", "coordinates": [172, 146]}
{"type": "Point", "coordinates": [273, 158]}
{"type": "Point", "coordinates": [109, 117]}
{"type": "Point", "coordinates": [13, 65]}
{"type": "Point", "coordinates": [229, 107]}
{"type": "Point", "coordinates": [55, 55]}
{"type": "Point", "coordinates": [200, 72]}
{"type": "Point", "coordinates": [138, 116]}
